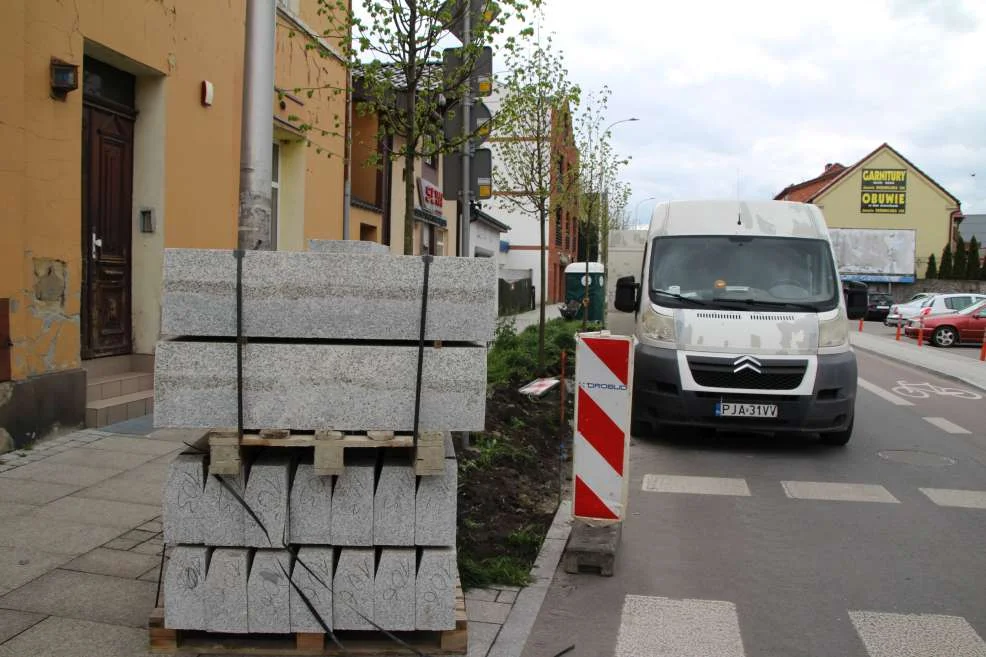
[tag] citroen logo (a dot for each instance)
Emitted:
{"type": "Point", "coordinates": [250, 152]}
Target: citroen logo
{"type": "Point", "coordinates": [747, 363]}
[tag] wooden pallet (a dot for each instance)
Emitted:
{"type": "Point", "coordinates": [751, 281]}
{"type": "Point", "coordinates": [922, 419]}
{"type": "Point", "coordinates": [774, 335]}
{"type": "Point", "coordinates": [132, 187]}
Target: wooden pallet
{"type": "Point", "coordinates": [226, 445]}
{"type": "Point", "coordinates": [174, 642]}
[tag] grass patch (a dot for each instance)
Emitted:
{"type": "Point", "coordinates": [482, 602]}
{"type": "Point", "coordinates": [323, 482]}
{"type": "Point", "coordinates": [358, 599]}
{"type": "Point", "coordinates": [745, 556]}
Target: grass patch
{"type": "Point", "coordinates": [512, 357]}
{"type": "Point", "coordinates": [504, 570]}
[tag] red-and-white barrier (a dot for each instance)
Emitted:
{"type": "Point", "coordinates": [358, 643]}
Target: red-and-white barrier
{"type": "Point", "coordinates": [604, 380]}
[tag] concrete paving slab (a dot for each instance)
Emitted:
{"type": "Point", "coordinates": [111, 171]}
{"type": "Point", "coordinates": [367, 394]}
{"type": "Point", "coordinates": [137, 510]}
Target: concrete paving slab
{"type": "Point", "coordinates": [341, 296]}
{"type": "Point", "coordinates": [67, 637]}
{"type": "Point", "coordinates": [117, 563]}
{"type": "Point", "coordinates": [105, 513]}
{"type": "Point", "coordinates": [11, 509]}
{"type": "Point", "coordinates": [152, 547]}
{"type": "Point", "coordinates": [145, 483]}
{"type": "Point", "coordinates": [85, 596]}
{"type": "Point", "coordinates": [195, 386]}
{"type": "Point", "coordinates": [18, 566]}
{"type": "Point", "coordinates": [136, 445]}
{"type": "Point", "coordinates": [31, 530]}
{"type": "Point", "coordinates": [122, 544]}
{"type": "Point", "coordinates": [37, 493]}
{"type": "Point", "coordinates": [61, 473]}
{"type": "Point", "coordinates": [487, 612]}
{"type": "Point", "coordinates": [481, 637]}
{"type": "Point", "coordinates": [100, 458]}
{"type": "Point", "coordinates": [13, 623]}
{"type": "Point", "coordinates": [482, 595]}
{"type": "Point", "coordinates": [182, 437]}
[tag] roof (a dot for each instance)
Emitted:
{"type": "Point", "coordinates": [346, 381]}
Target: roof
{"type": "Point", "coordinates": [845, 173]}
{"type": "Point", "coordinates": [479, 215]}
{"type": "Point", "coordinates": [430, 218]}
{"type": "Point", "coordinates": [765, 218]}
{"type": "Point", "coordinates": [579, 268]}
{"type": "Point", "coordinates": [805, 190]}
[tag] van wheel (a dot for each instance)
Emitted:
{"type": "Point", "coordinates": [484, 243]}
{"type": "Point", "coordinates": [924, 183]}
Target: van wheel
{"type": "Point", "coordinates": [838, 438]}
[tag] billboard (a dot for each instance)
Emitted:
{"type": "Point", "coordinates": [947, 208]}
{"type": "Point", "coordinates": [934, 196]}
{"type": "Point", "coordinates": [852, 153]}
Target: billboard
{"type": "Point", "coordinates": [874, 255]}
{"type": "Point", "coordinates": [883, 191]}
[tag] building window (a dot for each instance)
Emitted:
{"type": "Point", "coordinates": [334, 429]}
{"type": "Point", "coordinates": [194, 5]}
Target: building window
{"type": "Point", "coordinates": [558, 226]}
{"type": "Point", "coordinates": [275, 193]}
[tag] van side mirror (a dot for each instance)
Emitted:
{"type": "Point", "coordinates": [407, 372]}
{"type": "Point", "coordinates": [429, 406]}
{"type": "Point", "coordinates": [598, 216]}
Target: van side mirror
{"type": "Point", "coordinates": [857, 300]}
{"type": "Point", "coordinates": [626, 294]}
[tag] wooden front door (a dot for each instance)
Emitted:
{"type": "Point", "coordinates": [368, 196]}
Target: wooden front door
{"type": "Point", "coordinates": [107, 187]}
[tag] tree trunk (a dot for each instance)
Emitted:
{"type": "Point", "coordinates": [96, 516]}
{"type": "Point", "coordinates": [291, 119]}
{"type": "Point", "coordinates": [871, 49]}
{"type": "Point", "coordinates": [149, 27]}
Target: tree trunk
{"type": "Point", "coordinates": [409, 200]}
{"type": "Point", "coordinates": [544, 284]}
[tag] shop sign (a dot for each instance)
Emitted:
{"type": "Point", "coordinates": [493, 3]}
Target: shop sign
{"type": "Point", "coordinates": [884, 191]}
{"type": "Point", "coordinates": [430, 197]}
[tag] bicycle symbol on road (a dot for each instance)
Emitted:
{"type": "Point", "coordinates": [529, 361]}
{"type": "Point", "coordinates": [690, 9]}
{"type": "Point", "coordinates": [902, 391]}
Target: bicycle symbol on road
{"type": "Point", "coordinates": [925, 390]}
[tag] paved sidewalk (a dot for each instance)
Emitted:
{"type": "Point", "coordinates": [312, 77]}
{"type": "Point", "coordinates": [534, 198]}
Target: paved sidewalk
{"type": "Point", "coordinates": [939, 361]}
{"type": "Point", "coordinates": [81, 543]}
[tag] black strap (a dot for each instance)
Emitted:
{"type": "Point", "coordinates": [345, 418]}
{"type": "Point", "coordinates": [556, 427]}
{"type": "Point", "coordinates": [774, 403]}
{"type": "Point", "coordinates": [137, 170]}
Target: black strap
{"type": "Point", "coordinates": [427, 258]}
{"type": "Point", "coordinates": [240, 340]}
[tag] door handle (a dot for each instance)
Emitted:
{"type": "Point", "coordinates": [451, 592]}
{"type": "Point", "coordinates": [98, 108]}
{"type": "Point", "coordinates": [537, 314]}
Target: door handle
{"type": "Point", "coordinates": [96, 242]}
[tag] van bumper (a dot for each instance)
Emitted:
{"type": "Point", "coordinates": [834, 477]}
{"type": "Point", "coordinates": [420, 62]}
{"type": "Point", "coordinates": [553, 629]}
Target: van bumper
{"type": "Point", "coordinates": [659, 400]}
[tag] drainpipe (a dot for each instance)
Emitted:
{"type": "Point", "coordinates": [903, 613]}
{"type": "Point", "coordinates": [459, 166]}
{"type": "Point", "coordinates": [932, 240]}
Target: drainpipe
{"type": "Point", "coordinates": [257, 127]}
{"type": "Point", "coordinates": [347, 193]}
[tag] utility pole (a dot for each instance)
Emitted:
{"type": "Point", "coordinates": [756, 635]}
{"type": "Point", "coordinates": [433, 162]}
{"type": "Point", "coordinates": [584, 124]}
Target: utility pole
{"type": "Point", "coordinates": [465, 187]}
{"type": "Point", "coordinates": [257, 128]}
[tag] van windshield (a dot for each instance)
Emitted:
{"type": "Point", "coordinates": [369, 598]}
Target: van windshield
{"type": "Point", "coordinates": [743, 272]}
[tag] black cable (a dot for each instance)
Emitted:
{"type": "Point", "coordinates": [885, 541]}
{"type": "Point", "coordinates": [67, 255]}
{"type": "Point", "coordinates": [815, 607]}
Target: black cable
{"type": "Point", "coordinates": [421, 346]}
{"type": "Point", "coordinates": [240, 340]}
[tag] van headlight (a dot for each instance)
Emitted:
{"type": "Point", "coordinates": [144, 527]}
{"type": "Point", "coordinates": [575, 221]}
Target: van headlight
{"type": "Point", "coordinates": [833, 333]}
{"type": "Point", "coordinates": [658, 327]}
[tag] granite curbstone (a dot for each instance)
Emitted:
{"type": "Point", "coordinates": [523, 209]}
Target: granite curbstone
{"type": "Point", "coordinates": [183, 496]}
{"type": "Point", "coordinates": [310, 516]}
{"type": "Point", "coordinates": [352, 501]}
{"type": "Point", "coordinates": [226, 591]}
{"type": "Point", "coordinates": [184, 588]}
{"type": "Point", "coordinates": [223, 516]}
{"type": "Point", "coordinates": [394, 502]}
{"type": "Point", "coordinates": [353, 589]}
{"type": "Point", "coordinates": [267, 495]}
{"type": "Point", "coordinates": [312, 574]}
{"type": "Point", "coordinates": [394, 590]}
{"type": "Point", "coordinates": [269, 592]}
{"type": "Point", "coordinates": [434, 607]}
{"type": "Point", "coordinates": [435, 508]}
{"type": "Point", "coordinates": [346, 246]}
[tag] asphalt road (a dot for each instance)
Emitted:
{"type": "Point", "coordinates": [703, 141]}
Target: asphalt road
{"type": "Point", "coordinates": [889, 332]}
{"type": "Point", "coordinates": [756, 546]}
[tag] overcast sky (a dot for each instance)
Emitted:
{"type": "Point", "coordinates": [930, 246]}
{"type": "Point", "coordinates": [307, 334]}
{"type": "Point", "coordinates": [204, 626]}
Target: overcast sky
{"type": "Point", "coordinates": [758, 95]}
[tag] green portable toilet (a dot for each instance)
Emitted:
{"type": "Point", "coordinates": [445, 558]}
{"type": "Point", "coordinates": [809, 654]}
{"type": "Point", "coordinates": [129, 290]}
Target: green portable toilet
{"type": "Point", "coordinates": [575, 282]}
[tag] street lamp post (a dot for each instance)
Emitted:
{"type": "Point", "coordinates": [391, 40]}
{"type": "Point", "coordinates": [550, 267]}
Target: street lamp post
{"type": "Point", "coordinates": [637, 207]}
{"type": "Point", "coordinates": [599, 203]}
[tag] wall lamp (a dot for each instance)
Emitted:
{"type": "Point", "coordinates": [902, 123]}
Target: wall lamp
{"type": "Point", "coordinates": [64, 78]}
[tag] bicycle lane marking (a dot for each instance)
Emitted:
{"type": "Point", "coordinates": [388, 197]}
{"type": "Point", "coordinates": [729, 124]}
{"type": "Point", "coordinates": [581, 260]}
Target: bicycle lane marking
{"type": "Point", "coordinates": [883, 394]}
{"type": "Point", "coordinates": [924, 390]}
{"type": "Point", "coordinates": [947, 426]}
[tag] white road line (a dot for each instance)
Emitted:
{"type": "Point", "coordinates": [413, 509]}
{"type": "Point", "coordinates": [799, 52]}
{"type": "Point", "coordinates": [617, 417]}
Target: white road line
{"type": "Point", "coordinates": [654, 483]}
{"type": "Point", "coordinates": [662, 627]}
{"type": "Point", "coordinates": [837, 492]}
{"type": "Point", "coordinates": [896, 400]}
{"type": "Point", "coordinates": [917, 635]}
{"type": "Point", "coordinates": [946, 426]}
{"type": "Point", "coordinates": [967, 499]}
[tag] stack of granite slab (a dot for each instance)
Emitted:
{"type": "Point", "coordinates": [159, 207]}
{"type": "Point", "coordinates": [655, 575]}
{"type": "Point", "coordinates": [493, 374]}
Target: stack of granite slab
{"type": "Point", "coordinates": [332, 339]}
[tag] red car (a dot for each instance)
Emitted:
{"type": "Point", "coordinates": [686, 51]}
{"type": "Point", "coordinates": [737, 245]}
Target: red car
{"type": "Point", "coordinates": [966, 325]}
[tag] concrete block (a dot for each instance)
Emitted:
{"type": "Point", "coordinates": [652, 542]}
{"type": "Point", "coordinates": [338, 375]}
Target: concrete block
{"type": "Point", "coordinates": [269, 592]}
{"type": "Point", "coordinates": [394, 593]}
{"type": "Point", "coordinates": [346, 246]}
{"type": "Point", "coordinates": [222, 514]}
{"type": "Point", "coordinates": [267, 495]}
{"type": "Point", "coordinates": [184, 587]}
{"type": "Point", "coordinates": [352, 501]}
{"type": "Point", "coordinates": [312, 574]}
{"type": "Point", "coordinates": [435, 508]}
{"type": "Point", "coordinates": [435, 590]}
{"type": "Point", "coordinates": [311, 506]}
{"type": "Point", "coordinates": [314, 386]}
{"type": "Point", "coordinates": [353, 585]}
{"type": "Point", "coordinates": [226, 591]}
{"type": "Point", "coordinates": [393, 502]}
{"type": "Point", "coordinates": [183, 494]}
{"type": "Point", "coordinates": [338, 296]}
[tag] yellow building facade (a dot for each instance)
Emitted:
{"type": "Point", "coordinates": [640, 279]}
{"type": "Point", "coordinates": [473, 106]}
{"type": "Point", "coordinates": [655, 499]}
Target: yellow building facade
{"type": "Point", "coordinates": [95, 182]}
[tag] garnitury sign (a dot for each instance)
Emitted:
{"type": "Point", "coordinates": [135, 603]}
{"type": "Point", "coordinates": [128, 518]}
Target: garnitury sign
{"type": "Point", "coordinates": [884, 191]}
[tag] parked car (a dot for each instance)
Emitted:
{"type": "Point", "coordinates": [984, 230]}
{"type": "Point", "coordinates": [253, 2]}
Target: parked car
{"type": "Point", "coordinates": [938, 304]}
{"type": "Point", "coordinates": [966, 325]}
{"type": "Point", "coordinates": [878, 306]}
{"type": "Point", "coordinates": [901, 312]}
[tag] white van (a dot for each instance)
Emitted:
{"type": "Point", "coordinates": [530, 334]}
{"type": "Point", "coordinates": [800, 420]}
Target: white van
{"type": "Point", "coordinates": [741, 322]}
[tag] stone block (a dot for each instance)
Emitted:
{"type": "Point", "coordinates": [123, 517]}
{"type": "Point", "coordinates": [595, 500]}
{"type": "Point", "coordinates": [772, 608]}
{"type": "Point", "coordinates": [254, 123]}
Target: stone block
{"type": "Point", "coordinates": [335, 296]}
{"type": "Point", "coordinates": [346, 246]}
{"type": "Point", "coordinates": [223, 516]}
{"type": "Point", "coordinates": [393, 502]}
{"type": "Point", "coordinates": [352, 500]}
{"type": "Point", "coordinates": [394, 593]}
{"type": "Point", "coordinates": [184, 588]}
{"type": "Point", "coordinates": [183, 494]}
{"type": "Point", "coordinates": [269, 592]}
{"type": "Point", "coordinates": [435, 590]}
{"type": "Point", "coordinates": [312, 574]}
{"type": "Point", "coordinates": [314, 386]}
{"type": "Point", "coordinates": [311, 506]}
{"type": "Point", "coordinates": [226, 591]}
{"type": "Point", "coordinates": [353, 586]}
{"type": "Point", "coordinates": [267, 491]}
{"type": "Point", "coordinates": [435, 508]}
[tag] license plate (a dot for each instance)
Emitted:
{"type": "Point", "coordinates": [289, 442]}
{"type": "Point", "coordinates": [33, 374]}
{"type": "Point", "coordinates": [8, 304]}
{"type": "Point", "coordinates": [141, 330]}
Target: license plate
{"type": "Point", "coordinates": [728, 409]}
{"type": "Point", "coordinates": [882, 307]}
